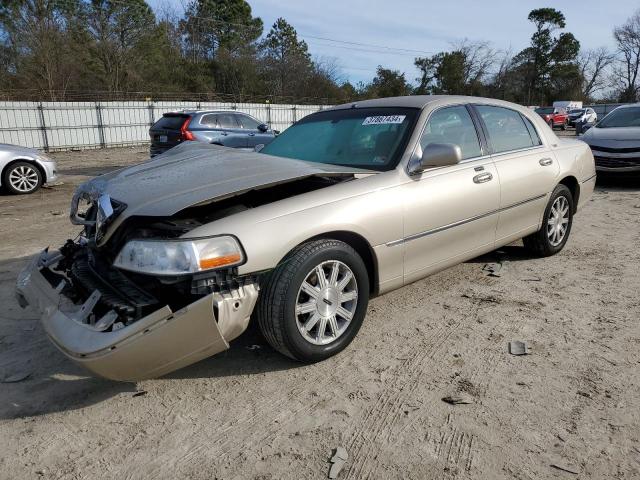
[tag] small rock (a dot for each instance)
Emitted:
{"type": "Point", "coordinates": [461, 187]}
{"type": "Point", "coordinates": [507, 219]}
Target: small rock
{"type": "Point", "coordinates": [41, 472]}
{"type": "Point", "coordinates": [458, 399]}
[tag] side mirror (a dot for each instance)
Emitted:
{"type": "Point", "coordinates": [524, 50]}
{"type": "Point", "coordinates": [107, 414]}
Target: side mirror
{"type": "Point", "coordinates": [263, 127]}
{"type": "Point", "coordinates": [585, 126]}
{"type": "Point", "coordinates": [440, 155]}
{"type": "Point", "coordinates": [276, 132]}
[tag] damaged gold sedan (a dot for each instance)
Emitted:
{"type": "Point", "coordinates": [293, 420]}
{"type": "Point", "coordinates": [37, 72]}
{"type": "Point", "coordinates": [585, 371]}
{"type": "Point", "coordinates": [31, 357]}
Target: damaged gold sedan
{"type": "Point", "coordinates": [178, 253]}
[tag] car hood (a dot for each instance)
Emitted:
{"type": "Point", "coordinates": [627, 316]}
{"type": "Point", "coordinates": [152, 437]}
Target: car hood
{"type": "Point", "coordinates": [624, 137]}
{"type": "Point", "coordinates": [196, 173]}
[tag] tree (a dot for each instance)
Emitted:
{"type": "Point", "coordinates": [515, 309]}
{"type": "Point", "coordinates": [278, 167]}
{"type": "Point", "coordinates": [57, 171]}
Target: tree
{"type": "Point", "coordinates": [593, 65]}
{"type": "Point", "coordinates": [546, 55]}
{"type": "Point", "coordinates": [119, 33]}
{"type": "Point", "coordinates": [627, 39]}
{"type": "Point", "coordinates": [38, 45]}
{"type": "Point", "coordinates": [461, 71]}
{"type": "Point", "coordinates": [213, 25]}
{"type": "Point", "coordinates": [287, 63]}
{"type": "Point", "coordinates": [388, 83]}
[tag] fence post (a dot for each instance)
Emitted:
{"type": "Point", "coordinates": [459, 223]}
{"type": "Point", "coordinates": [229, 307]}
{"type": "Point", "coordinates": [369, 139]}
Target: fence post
{"type": "Point", "coordinates": [100, 125]}
{"type": "Point", "coordinates": [269, 115]}
{"type": "Point", "coordinates": [43, 127]}
{"type": "Point", "coordinates": [295, 117]}
{"type": "Point", "coordinates": [152, 114]}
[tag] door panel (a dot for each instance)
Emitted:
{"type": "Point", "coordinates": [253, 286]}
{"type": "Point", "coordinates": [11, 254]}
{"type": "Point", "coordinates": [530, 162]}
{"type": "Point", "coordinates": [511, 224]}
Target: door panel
{"type": "Point", "coordinates": [526, 179]}
{"type": "Point", "coordinates": [450, 214]}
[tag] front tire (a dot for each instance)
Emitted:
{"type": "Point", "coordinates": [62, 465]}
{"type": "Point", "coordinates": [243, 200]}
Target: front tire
{"type": "Point", "coordinates": [313, 303]}
{"type": "Point", "coordinates": [22, 178]}
{"type": "Point", "coordinates": [556, 224]}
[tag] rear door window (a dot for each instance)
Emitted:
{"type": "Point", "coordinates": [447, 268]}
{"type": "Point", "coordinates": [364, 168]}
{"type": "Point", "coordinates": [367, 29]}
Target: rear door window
{"type": "Point", "coordinates": [506, 128]}
{"type": "Point", "coordinates": [535, 138]}
{"type": "Point", "coordinates": [227, 120]}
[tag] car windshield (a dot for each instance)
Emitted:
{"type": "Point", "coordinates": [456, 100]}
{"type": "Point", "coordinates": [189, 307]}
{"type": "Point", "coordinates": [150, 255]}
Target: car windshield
{"type": "Point", "coordinates": [371, 138]}
{"type": "Point", "coordinates": [578, 111]}
{"type": "Point", "coordinates": [622, 117]}
{"type": "Point", "coordinates": [544, 110]}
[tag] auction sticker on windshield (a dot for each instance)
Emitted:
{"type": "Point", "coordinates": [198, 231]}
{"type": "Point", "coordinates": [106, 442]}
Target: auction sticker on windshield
{"type": "Point", "coordinates": [384, 119]}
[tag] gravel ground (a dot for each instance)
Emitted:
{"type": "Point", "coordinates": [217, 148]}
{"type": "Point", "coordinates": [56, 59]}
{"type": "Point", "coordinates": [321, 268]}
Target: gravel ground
{"type": "Point", "coordinates": [572, 404]}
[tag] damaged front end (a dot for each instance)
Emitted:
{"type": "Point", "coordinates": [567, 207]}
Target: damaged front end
{"type": "Point", "coordinates": [126, 326]}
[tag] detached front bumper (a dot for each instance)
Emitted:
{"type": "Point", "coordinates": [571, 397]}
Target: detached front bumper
{"type": "Point", "coordinates": [153, 346]}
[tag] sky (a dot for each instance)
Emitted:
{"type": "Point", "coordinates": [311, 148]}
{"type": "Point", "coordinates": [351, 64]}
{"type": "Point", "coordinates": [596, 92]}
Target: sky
{"type": "Point", "coordinates": [400, 30]}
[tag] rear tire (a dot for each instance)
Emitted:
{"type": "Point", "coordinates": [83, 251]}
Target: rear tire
{"type": "Point", "coordinates": [556, 225]}
{"type": "Point", "coordinates": [306, 318]}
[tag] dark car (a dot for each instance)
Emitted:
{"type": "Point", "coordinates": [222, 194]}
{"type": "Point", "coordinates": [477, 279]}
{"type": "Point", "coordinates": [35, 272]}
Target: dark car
{"type": "Point", "coordinates": [615, 141]}
{"type": "Point", "coordinates": [229, 129]}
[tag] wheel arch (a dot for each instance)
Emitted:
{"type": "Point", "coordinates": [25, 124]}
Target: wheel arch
{"type": "Point", "coordinates": [26, 160]}
{"type": "Point", "coordinates": [361, 246]}
{"type": "Point", "coordinates": [573, 185]}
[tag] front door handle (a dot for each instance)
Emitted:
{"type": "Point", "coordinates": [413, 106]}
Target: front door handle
{"type": "Point", "coordinates": [545, 161]}
{"type": "Point", "coordinates": [252, 134]}
{"type": "Point", "coordinates": [483, 177]}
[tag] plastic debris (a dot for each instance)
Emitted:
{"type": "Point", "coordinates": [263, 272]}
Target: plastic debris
{"type": "Point", "coordinates": [458, 399]}
{"type": "Point", "coordinates": [338, 460]}
{"type": "Point", "coordinates": [15, 377]}
{"type": "Point", "coordinates": [518, 348]}
{"type": "Point", "coordinates": [492, 269]}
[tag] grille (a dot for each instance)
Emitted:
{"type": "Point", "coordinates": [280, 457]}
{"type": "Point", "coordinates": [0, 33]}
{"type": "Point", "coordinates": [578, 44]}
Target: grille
{"type": "Point", "coordinates": [596, 149]}
{"type": "Point", "coordinates": [617, 162]}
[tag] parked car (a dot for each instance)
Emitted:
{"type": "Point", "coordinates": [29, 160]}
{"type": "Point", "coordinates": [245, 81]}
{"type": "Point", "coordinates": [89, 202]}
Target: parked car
{"type": "Point", "coordinates": [226, 128]}
{"type": "Point", "coordinates": [582, 116]}
{"type": "Point", "coordinates": [355, 201]}
{"type": "Point", "coordinates": [615, 140]}
{"type": "Point", "coordinates": [554, 117]}
{"type": "Point", "coordinates": [24, 170]}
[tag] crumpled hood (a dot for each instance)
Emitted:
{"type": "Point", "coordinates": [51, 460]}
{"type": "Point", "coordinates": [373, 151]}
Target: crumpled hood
{"type": "Point", "coordinates": [195, 173]}
{"type": "Point", "coordinates": [625, 137]}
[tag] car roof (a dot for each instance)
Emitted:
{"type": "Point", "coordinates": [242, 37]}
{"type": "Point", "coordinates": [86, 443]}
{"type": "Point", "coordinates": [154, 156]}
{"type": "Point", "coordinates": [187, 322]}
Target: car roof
{"type": "Point", "coordinates": [421, 101]}
{"type": "Point", "coordinates": [199, 112]}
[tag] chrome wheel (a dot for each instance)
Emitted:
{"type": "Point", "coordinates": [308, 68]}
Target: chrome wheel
{"type": "Point", "coordinates": [558, 221]}
{"type": "Point", "coordinates": [326, 302]}
{"type": "Point", "coordinates": [24, 178]}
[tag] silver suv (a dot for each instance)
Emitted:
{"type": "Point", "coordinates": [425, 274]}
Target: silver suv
{"type": "Point", "coordinates": [227, 128]}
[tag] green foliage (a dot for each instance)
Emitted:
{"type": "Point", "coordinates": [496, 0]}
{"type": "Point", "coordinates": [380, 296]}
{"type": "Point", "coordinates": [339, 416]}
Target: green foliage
{"type": "Point", "coordinates": [548, 65]}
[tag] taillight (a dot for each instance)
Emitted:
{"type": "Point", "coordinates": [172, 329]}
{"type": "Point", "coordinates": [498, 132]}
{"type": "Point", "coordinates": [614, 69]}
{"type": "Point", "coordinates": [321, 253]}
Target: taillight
{"type": "Point", "coordinates": [184, 133]}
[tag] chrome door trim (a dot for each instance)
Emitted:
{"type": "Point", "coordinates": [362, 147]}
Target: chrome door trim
{"type": "Point", "coordinates": [415, 236]}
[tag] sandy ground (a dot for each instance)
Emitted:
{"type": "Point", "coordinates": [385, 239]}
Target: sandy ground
{"type": "Point", "coordinates": [574, 402]}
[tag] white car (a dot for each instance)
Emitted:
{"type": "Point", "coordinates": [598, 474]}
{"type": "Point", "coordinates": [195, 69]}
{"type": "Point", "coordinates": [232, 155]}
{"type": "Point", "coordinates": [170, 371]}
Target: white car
{"type": "Point", "coordinates": [24, 170]}
{"type": "Point", "coordinates": [583, 116]}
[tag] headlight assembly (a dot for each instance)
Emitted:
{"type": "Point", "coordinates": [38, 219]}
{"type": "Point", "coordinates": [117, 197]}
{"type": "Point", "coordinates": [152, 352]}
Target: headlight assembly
{"type": "Point", "coordinates": [179, 257]}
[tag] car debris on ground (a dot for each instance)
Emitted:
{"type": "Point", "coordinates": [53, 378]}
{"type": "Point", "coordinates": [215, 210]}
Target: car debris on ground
{"type": "Point", "coordinates": [458, 399]}
{"type": "Point", "coordinates": [492, 269]}
{"type": "Point", "coordinates": [518, 348]}
{"type": "Point", "coordinates": [338, 460]}
{"type": "Point", "coordinates": [566, 468]}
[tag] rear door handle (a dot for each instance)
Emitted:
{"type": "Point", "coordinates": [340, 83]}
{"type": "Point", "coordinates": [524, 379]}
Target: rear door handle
{"type": "Point", "coordinates": [545, 161]}
{"type": "Point", "coordinates": [252, 134]}
{"type": "Point", "coordinates": [483, 177]}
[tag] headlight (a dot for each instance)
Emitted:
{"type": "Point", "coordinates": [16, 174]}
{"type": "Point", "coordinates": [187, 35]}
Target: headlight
{"type": "Point", "coordinates": [179, 257]}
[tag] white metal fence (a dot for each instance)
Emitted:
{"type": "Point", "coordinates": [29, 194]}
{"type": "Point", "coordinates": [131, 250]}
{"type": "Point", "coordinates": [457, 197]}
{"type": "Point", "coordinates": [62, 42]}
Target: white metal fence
{"type": "Point", "coordinates": [77, 125]}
